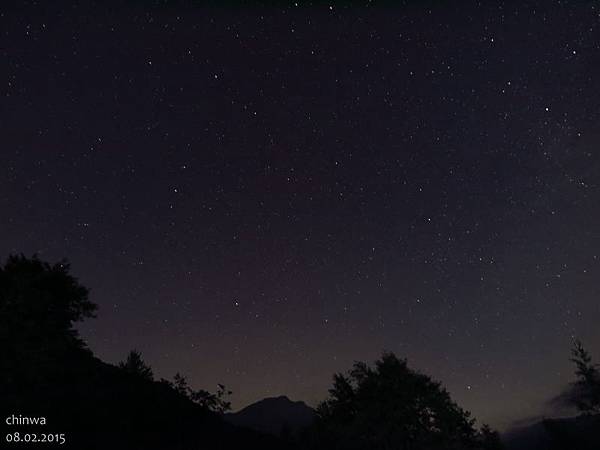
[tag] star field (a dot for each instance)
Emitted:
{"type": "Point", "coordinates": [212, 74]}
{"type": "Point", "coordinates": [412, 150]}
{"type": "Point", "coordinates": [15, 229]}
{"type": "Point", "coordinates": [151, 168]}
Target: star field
{"type": "Point", "coordinates": [259, 196]}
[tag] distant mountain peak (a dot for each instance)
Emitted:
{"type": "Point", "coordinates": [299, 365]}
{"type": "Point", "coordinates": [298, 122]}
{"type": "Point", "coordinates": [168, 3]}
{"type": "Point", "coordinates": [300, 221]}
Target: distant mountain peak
{"type": "Point", "coordinates": [272, 415]}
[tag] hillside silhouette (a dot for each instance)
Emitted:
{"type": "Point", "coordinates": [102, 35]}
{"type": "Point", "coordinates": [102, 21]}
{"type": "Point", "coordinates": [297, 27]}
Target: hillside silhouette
{"type": "Point", "coordinates": [46, 370]}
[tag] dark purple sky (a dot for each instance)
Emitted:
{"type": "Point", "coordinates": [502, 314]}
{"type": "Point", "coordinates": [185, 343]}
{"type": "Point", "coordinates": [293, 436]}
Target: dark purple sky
{"type": "Point", "coordinates": [261, 195]}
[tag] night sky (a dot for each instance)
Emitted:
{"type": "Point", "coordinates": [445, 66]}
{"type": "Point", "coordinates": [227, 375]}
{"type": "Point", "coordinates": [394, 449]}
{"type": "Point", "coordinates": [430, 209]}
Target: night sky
{"type": "Point", "coordinates": [260, 195]}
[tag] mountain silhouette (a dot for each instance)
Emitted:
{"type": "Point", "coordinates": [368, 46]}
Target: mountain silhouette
{"type": "Point", "coordinates": [275, 415]}
{"type": "Point", "coordinates": [48, 375]}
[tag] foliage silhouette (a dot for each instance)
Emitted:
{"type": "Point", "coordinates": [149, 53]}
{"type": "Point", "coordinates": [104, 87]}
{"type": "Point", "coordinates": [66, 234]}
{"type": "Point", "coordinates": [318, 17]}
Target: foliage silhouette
{"type": "Point", "coordinates": [573, 433]}
{"type": "Point", "coordinates": [582, 432]}
{"type": "Point", "coordinates": [39, 305]}
{"type": "Point", "coordinates": [135, 365]}
{"type": "Point", "coordinates": [41, 302]}
{"type": "Point", "coordinates": [392, 406]}
{"type": "Point", "coordinates": [212, 402]}
{"type": "Point", "coordinates": [46, 370]}
{"type": "Point", "coordinates": [585, 392]}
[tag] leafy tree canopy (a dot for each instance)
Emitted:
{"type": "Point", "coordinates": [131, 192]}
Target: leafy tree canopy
{"type": "Point", "coordinates": [39, 305]}
{"type": "Point", "coordinates": [40, 299]}
{"type": "Point", "coordinates": [390, 406]}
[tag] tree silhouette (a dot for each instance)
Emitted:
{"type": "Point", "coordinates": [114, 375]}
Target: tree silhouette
{"type": "Point", "coordinates": [135, 365]}
{"type": "Point", "coordinates": [47, 370]}
{"type": "Point", "coordinates": [180, 384]}
{"type": "Point", "coordinates": [585, 392]}
{"type": "Point", "coordinates": [38, 299]}
{"type": "Point", "coordinates": [216, 402]}
{"type": "Point", "coordinates": [391, 406]}
{"type": "Point", "coordinates": [39, 305]}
